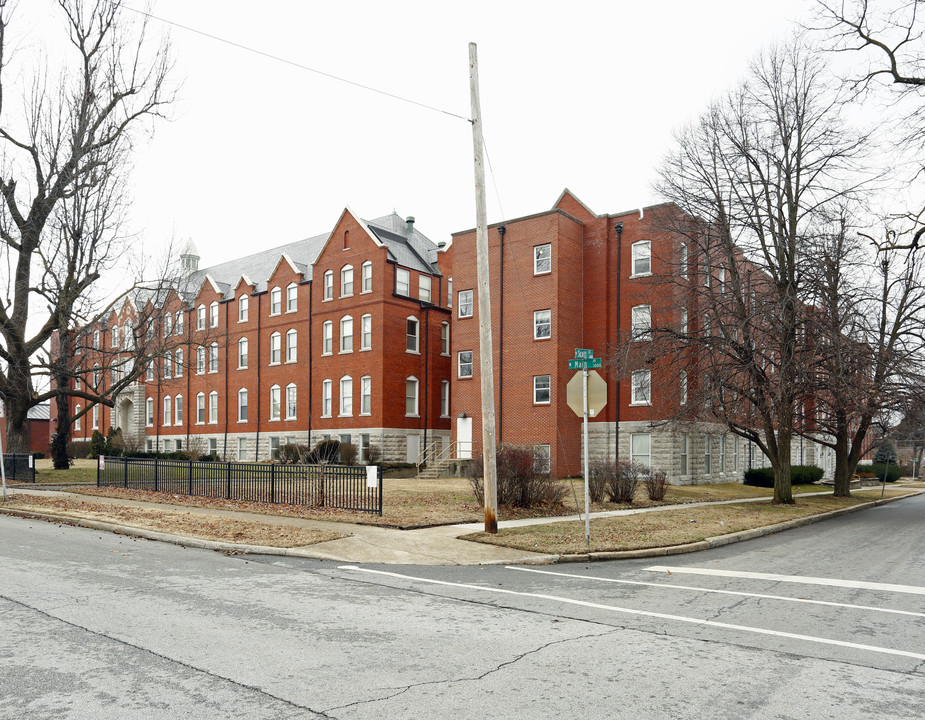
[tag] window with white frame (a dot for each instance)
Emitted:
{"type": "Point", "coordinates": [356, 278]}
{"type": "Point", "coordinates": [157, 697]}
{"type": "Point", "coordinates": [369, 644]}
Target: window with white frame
{"type": "Point", "coordinates": [213, 315]}
{"type": "Point", "coordinates": [641, 448]}
{"type": "Point", "coordinates": [682, 389]}
{"type": "Point", "coordinates": [276, 301]}
{"type": "Point", "coordinates": [465, 303]}
{"type": "Point", "coordinates": [292, 297]}
{"type": "Point", "coordinates": [465, 364]}
{"type": "Point", "coordinates": [292, 346]}
{"type": "Point", "coordinates": [411, 397]}
{"type": "Point", "coordinates": [178, 410]}
{"type": "Point", "coordinates": [275, 402]}
{"type": "Point", "coordinates": [424, 285]}
{"type": "Point", "coordinates": [542, 259]}
{"type": "Point", "coordinates": [735, 454]}
{"type": "Point", "coordinates": [682, 262]}
{"type": "Point", "coordinates": [168, 410]}
{"type": "Point", "coordinates": [178, 363]}
{"type": "Point", "coordinates": [642, 390]}
{"type": "Point", "coordinates": [346, 396]}
{"type": "Point", "coordinates": [213, 358]}
{"type": "Point", "coordinates": [683, 323]}
{"type": "Point", "coordinates": [96, 339]}
{"type": "Point", "coordinates": [541, 389]}
{"type": "Point", "coordinates": [444, 338]}
{"type": "Point", "coordinates": [243, 303]}
{"type": "Point", "coordinates": [276, 341]}
{"type": "Point", "coordinates": [411, 334]}
{"type": "Point", "coordinates": [201, 360]}
{"type": "Point", "coordinates": [149, 372]}
{"type": "Point", "coordinates": [684, 461]}
{"type": "Point", "coordinates": [201, 317]}
{"type": "Point", "coordinates": [242, 449]}
{"type": "Point", "coordinates": [274, 448]}
{"type": "Point", "coordinates": [708, 454]}
{"type": "Point", "coordinates": [327, 338]}
{"type": "Point", "coordinates": [542, 324]}
{"type": "Point", "coordinates": [327, 286]}
{"type": "Point", "coordinates": [242, 405]}
{"type": "Point", "coordinates": [642, 322]}
{"type": "Point", "coordinates": [346, 334]}
{"type": "Point", "coordinates": [444, 398]}
{"type": "Point", "coordinates": [449, 292]}
{"type": "Point", "coordinates": [402, 282]}
{"type": "Point", "coordinates": [366, 277]}
{"type": "Point", "coordinates": [149, 413]}
{"type": "Point", "coordinates": [541, 456]}
{"type": "Point", "coordinates": [167, 323]}
{"type": "Point", "coordinates": [242, 353]}
{"type": "Point", "coordinates": [346, 281]}
{"type": "Point", "coordinates": [168, 365]}
{"type": "Point", "coordinates": [291, 404]}
{"type": "Point", "coordinates": [722, 454]}
{"type": "Point", "coordinates": [366, 332]}
{"type": "Point", "coordinates": [96, 373]}
{"type": "Point", "coordinates": [213, 407]}
{"type": "Point", "coordinates": [77, 419]}
{"type": "Point", "coordinates": [96, 415]}
{"type": "Point", "coordinates": [326, 388]}
{"type": "Point", "coordinates": [178, 326]}
{"type": "Point", "coordinates": [200, 408]}
{"type": "Point", "coordinates": [642, 258]}
{"type": "Point", "coordinates": [366, 395]}
{"type": "Point", "coordinates": [114, 336]}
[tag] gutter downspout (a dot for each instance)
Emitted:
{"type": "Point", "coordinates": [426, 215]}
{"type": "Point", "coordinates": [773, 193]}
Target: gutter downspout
{"type": "Point", "coordinates": [500, 415]}
{"type": "Point", "coordinates": [227, 399]}
{"type": "Point", "coordinates": [188, 361]}
{"type": "Point", "coordinates": [618, 227]}
{"type": "Point", "coordinates": [308, 442]}
{"type": "Point", "coordinates": [259, 317]}
{"type": "Point", "coordinates": [426, 372]}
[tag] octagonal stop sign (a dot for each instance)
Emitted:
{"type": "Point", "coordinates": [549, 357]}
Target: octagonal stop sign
{"type": "Point", "coordinates": [597, 394]}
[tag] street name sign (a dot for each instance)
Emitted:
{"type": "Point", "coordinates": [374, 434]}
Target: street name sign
{"type": "Point", "coordinates": [582, 364]}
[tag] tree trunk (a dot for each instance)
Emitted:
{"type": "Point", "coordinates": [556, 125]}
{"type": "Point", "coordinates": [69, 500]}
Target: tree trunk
{"type": "Point", "coordinates": [843, 467]}
{"type": "Point", "coordinates": [783, 492]}
{"type": "Point", "coordinates": [18, 435]}
{"type": "Point", "coordinates": [59, 443]}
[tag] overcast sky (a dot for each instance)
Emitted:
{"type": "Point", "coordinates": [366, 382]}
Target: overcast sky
{"type": "Point", "coordinates": [582, 95]}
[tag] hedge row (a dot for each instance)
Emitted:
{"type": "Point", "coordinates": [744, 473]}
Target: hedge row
{"type": "Point", "coordinates": [799, 475]}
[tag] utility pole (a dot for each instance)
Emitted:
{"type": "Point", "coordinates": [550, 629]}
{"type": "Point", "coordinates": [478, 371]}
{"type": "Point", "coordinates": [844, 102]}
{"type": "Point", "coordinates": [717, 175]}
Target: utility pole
{"type": "Point", "coordinates": [486, 356]}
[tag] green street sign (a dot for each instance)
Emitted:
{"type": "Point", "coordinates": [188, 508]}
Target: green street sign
{"type": "Point", "coordinates": [584, 364]}
{"type": "Point", "coordinates": [582, 354]}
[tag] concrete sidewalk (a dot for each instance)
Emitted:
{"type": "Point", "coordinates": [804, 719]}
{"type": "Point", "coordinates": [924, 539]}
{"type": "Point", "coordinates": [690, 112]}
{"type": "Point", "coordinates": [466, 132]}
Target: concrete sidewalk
{"type": "Point", "coordinates": [427, 546]}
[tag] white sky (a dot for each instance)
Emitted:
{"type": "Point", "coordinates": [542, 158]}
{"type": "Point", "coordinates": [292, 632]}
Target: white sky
{"type": "Point", "coordinates": [582, 95]}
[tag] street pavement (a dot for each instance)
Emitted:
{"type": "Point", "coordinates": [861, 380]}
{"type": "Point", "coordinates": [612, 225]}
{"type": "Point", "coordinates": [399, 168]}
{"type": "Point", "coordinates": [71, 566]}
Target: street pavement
{"type": "Point", "coordinates": [825, 621]}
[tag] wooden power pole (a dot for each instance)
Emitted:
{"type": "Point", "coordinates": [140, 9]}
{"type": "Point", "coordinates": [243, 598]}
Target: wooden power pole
{"type": "Point", "coordinates": [486, 356]}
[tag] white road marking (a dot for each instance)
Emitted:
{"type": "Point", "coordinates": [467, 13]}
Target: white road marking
{"type": "Point", "coordinates": [850, 606]}
{"type": "Point", "coordinates": [642, 613]}
{"type": "Point", "coordinates": [803, 580]}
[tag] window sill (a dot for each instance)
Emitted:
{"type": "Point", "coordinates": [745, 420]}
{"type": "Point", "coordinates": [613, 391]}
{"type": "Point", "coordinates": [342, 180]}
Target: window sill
{"type": "Point", "coordinates": [412, 416]}
{"type": "Point", "coordinates": [366, 414]}
{"type": "Point", "coordinates": [412, 352]}
{"type": "Point", "coordinates": [541, 273]}
{"type": "Point", "coordinates": [290, 419]}
{"type": "Point", "coordinates": [463, 317]}
{"type": "Point", "coordinates": [365, 349]}
{"type": "Point", "coordinates": [463, 377]}
{"type": "Point", "coordinates": [345, 352]}
{"type": "Point", "coordinates": [272, 419]}
{"type": "Point", "coordinates": [273, 363]}
{"type": "Point", "coordinates": [347, 415]}
{"type": "Point", "coordinates": [327, 416]}
{"type": "Point", "coordinates": [538, 339]}
{"type": "Point", "coordinates": [242, 422]}
{"type": "Point", "coordinates": [327, 299]}
{"type": "Point", "coordinates": [640, 275]}
{"type": "Point", "coordinates": [640, 404]}
{"type": "Point", "coordinates": [365, 292]}
{"type": "Point", "coordinates": [542, 402]}
{"type": "Point", "coordinates": [242, 367]}
{"type": "Point", "coordinates": [346, 296]}
{"type": "Point", "coordinates": [290, 362]}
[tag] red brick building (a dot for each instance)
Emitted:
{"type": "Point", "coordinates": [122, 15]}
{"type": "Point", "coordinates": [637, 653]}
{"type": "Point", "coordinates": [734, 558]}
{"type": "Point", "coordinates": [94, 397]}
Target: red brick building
{"type": "Point", "coordinates": [343, 335]}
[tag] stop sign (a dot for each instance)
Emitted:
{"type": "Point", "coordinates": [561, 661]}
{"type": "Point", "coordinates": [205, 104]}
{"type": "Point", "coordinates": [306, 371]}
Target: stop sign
{"type": "Point", "coordinates": [597, 394]}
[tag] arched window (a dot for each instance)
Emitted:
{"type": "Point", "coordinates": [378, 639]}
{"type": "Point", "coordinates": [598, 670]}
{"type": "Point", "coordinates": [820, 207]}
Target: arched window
{"type": "Point", "coordinates": [114, 336]}
{"type": "Point", "coordinates": [275, 402]}
{"type": "Point", "coordinates": [178, 363]}
{"type": "Point", "coordinates": [242, 353]}
{"type": "Point", "coordinates": [346, 281]}
{"type": "Point", "coordinates": [213, 407]}
{"type": "Point", "coordinates": [200, 408]}
{"type": "Point", "coordinates": [213, 358]}
{"type": "Point", "coordinates": [242, 405]}
{"type": "Point", "coordinates": [411, 334]}
{"type": "Point", "coordinates": [168, 324]}
{"type": "Point", "coordinates": [346, 395]}
{"type": "Point", "coordinates": [178, 327]}
{"type": "Point", "coordinates": [346, 334]}
{"type": "Point", "coordinates": [366, 392]}
{"type": "Point", "coordinates": [168, 365]}
{"type": "Point", "coordinates": [178, 410]}
{"type": "Point", "coordinates": [327, 338]}
{"type": "Point", "coordinates": [292, 347]}
{"type": "Point", "coordinates": [327, 287]}
{"type": "Point", "coordinates": [276, 301]}
{"type": "Point", "coordinates": [168, 410]}
{"type": "Point", "coordinates": [201, 317]}
{"type": "Point", "coordinates": [326, 398]}
{"type": "Point", "coordinates": [243, 308]}
{"type": "Point", "coordinates": [366, 332]}
{"type": "Point", "coordinates": [292, 297]}
{"type": "Point", "coordinates": [411, 397]}
{"type": "Point", "coordinates": [149, 412]}
{"type": "Point", "coordinates": [366, 277]}
{"type": "Point", "coordinates": [275, 342]}
{"type": "Point", "coordinates": [213, 315]}
{"type": "Point", "coordinates": [291, 401]}
{"type": "Point", "coordinates": [78, 418]}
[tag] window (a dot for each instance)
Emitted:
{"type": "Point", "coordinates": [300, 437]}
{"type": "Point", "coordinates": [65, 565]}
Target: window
{"type": "Point", "coordinates": [276, 301]}
{"type": "Point", "coordinates": [291, 401]}
{"type": "Point", "coordinates": [178, 363]}
{"type": "Point", "coordinates": [542, 324]}
{"type": "Point", "coordinates": [200, 408]}
{"type": "Point", "coordinates": [77, 419]}
{"type": "Point", "coordinates": [242, 353]}
{"type": "Point", "coordinates": [274, 448]}
{"type": "Point", "coordinates": [346, 334]}
{"type": "Point", "coordinates": [683, 327]}
{"type": "Point", "coordinates": [96, 374]}
{"type": "Point", "coordinates": [541, 389]}
{"type": "Point", "coordinates": [642, 322]}
{"type": "Point", "coordinates": [168, 365]}
{"type": "Point", "coordinates": [445, 338]}
{"type": "Point", "coordinates": [721, 280]}
{"type": "Point", "coordinates": [149, 413]}
{"type": "Point", "coordinates": [684, 456]}
{"type": "Point", "coordinates": [411, 335]}
{"type": "Point", "coordinates": [366, 392]}
{"type": "Point", "coordinates": [213, 446]}
{"type": "Point", "coordinates": [735, 454]}
{"type": "Point", "coordinates": [242, 308]}
{"type": "Point", "coordinates": [682, 263]}
{"type": "Point", "coordinates": [213, 407]}
{"type": "Point", "coordinates": [292, 297]}
{"type": "Point", "coordinates": [326, 398]}
{"type": "Point", "coordinates": [242, 405]}
{"type": "Point", "coordinates": [327, 338]}
{"type": "Point", "coordinates": [366, 277]}
{"type": "Point", "coordinates": [213, 358]}
{"type": "Point", "coordinates": [444, 398]}
{"type": "Point", "coordinates": [346, 281]}
{"type": "Point", "coordinates": [213, 315]}
{"type": "Point", "coordinates": [275, 400]}
{"type": "Point", "coordinates": [149, 372]}
{"type": "Point", "coordinates": [178, 410]}
{"type": "Point", "coordinates": [424, 285]}
{"type": "Point", "coordinates": [449, 292]}
{"type": "Point", "coordinates": [364, 447]}
{"type": "Point", "coordinates": [77, 383]}
{"type": "Point", "coordinates": [707, 452]}
{"type": "Point", "coordinates": [168, 410]}
{"type": "Point", "coordinates": [114, 336]}
{"type": "Point", "coordinates": [682, 380]}
{"type": "Point", "coordinates": [641, 388]}
{"type": "Point", "coordinates": [366, 332]}
{"type": "Point", "coordinates": [542, 259]}
{"type": "Point", "coordinates": [722, 453]}
{"type": "Point", "coordinates": [641, 448]}
{"type": "Point", "coordinates": [402, 281]}
{"type": "Point", "coordinates": [642, 258]}
{"type": "Point", "coordinates": [96, 415]}
{"type": "Point", "coordinates": [275, 348]}
{"type": "Point", "coordinates": [328, 286]}
{"type": "Point", "coordinates": [242, 449]}
{"type": "Point", "coordinates": [541, 458]}
{"type": "Point", "coordinates": [465, 364]}
{"type": "Point", "coordinates": [96, 339]}
{"type": "Point", "coordinates": [346, 395]}
{"type": "Point", "coordinates": [411, 397]}
{"type": "Point", "coordinates": [292, 346]}
{"type": "Point", "coordinates": [201, 317]}
{"type": "Point", "coordinates": [178, 328]}
{"type": "Point", "coordinates": [465, 303]}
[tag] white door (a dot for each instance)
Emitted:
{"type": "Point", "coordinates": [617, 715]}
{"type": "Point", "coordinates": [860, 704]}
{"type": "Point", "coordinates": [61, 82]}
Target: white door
{"type": "Point", "coordinates": [414, 448]}
{"type": "Point", "coordinates": [464, 438]}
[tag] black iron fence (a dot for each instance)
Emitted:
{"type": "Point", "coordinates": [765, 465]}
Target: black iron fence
{"type": "Point", "coordinates": [327, 486]}
{"type": "Point", "coordinates": [19, 467]}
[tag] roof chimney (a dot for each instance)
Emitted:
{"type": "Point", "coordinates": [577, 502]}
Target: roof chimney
{"type": "Point", "coordinates": [410, 221]}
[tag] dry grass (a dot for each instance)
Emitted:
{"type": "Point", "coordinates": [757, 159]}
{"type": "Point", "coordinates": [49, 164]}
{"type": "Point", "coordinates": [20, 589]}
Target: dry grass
{"type": "Point", "coordinates": [665, 528]}
{"type": "Point", "coordinates": [175, 522]}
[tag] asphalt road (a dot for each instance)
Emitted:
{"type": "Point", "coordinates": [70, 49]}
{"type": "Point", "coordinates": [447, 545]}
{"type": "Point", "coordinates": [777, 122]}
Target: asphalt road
{"type": "Point", "coordinates": [826, 621]}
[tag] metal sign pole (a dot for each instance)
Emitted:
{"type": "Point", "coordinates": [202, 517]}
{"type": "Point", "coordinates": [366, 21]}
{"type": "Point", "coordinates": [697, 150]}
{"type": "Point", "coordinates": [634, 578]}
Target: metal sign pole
{"type": "Point", "coordinates": [587, 488]}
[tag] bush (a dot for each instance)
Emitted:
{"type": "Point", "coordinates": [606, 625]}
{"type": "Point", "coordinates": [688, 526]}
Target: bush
{"type": "Point", "coordinates": [78, 448]}
{"type": "Point", "coordinates": [625, 480]}
{"type": "Point", "coordinates": [656, 484]}
{"type": "Point", "coordinates": [519, 484]}
{"type": "Point", "coordinates": [208, 457]}
{"type": "Point", "coordinates": [327, 451]}
{"type": "Point", "coordinates": [805, 474]}
{"type": "Point", "coordinates": [893, 472]}
{"type": "Point", "coordinates": [373, 455]}
{"type": "Point", "coordinates": [759, 477]}
{"type": "Point", "coordinates": [600, 473]}
{"type": "Point", "coordinates": [97, 444]}
{"type": "Point", "coordinates": [348, 454]}
{"type": "Point", "coordinates": [114, 443]}
{"type": "Point", "coordinates": [292, 453]}
{"type": "Point", "coordinates": [885, 455]}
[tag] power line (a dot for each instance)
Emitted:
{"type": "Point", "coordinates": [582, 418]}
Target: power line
{"type": "Point", "coordinates": [277, 58]}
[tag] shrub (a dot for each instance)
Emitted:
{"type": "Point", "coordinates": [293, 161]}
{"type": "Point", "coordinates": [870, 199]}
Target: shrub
{"type": "Point", "coordinates": [348, 454]}
{"type": "Point", "coordinates": [600, 474]}
{"type": "Point", "coordinates": [114, 443]}
{"type": "Point", "coordinates": [78, 448]}
{"type": "Point", "coordinates": [292, 453]}
{"type": "Point", "coordinates": [759, 477]}
{"type": "Point", "coordinates": [373, 455]}
{"type": "Point", "coordinates": [38, 456]}
{"type": "Point", "coordinates": [656, 484]}
{"type": "Point", "coordinates": [885, 455]}
{"type": "Point", "coordinates": [519, 484]}
{"type": "Point", "coordinates": [893, 472]}
{"type": "Point", "coordinates": [97, 444]}
{"type": "Point", "coordinates": [805, 474]}
{"type": "Point", "coordinates": [327, 451]}
{"type": "Point", "coordinates": [207, 457]}
{"type": "Point", "coordinates": [623, 483]}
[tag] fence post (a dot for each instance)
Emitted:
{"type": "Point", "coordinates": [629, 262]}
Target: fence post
{"type": "Point", "coordinates": [380, 491]}
{"type": "Point", "coordinates": [228, 488]}
{"type": "Point", "coordinates": [272, 483]}
{"type": "Point", "coordinates": [97, 470]}
{"type": "Point", "coordinates": [156, 466]}
{"type": "Point", "coordinates": [190, 478]}
{"type": "Point", "coordinates": [124, 473]}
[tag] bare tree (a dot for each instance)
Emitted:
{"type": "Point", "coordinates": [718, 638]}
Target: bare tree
{"type": "Point", "coordinates": [62, 164]}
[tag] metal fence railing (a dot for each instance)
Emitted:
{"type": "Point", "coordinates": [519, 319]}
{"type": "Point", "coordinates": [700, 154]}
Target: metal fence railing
{"type": "Point", "coordinates": [19, 467]}
{"type": "Point", "coordinates": [327, 486]}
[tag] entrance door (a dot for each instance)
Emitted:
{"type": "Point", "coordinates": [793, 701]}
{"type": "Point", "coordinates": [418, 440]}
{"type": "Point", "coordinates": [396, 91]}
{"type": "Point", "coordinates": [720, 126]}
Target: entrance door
{"type": "Point", "coordinates": [414, 448]}
{"type": "Point", "coordinates": [464, 438]}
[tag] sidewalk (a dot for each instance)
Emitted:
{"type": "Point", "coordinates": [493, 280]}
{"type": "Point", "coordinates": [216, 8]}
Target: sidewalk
{"type": "Point", "coordinates": [427, 546]}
